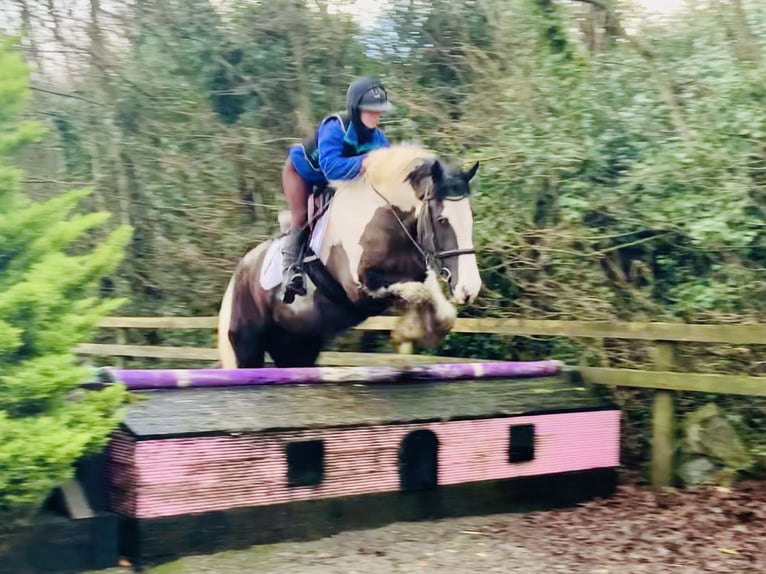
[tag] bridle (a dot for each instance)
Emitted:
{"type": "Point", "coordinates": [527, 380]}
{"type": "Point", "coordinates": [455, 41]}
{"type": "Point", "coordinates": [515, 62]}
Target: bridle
{"type": "Point", "coordinates": [427, 242]}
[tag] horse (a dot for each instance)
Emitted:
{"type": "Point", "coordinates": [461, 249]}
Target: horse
{"type": "Point", "coordinates": [391, 236]}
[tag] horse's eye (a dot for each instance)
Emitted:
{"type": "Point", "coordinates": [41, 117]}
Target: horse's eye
{"type": "Point", "coordinates": [441, 219]}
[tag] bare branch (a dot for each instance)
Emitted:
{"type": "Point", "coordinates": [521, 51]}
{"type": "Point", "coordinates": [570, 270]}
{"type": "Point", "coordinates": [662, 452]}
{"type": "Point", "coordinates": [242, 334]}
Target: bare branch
{"type": "Point", "coordinates": [62, 94]}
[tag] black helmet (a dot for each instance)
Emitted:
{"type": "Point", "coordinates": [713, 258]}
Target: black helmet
{"type": "Point", "coordinates": [367, 94]}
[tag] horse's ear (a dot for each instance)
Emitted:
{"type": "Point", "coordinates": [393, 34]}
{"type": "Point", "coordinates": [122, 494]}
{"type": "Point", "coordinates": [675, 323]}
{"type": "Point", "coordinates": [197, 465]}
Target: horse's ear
{"type": "Point", "coordinates": [468, 175]}
{"type": "Point", "coordinates": [437, 172]}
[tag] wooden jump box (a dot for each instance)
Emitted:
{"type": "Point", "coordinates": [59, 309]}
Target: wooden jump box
{"type": "Point", "coordinates": [200, 470]}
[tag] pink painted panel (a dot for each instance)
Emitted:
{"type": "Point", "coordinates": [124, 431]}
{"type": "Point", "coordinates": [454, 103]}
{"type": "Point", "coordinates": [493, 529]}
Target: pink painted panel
{"type": "Point", "coordinates": [190, 475]}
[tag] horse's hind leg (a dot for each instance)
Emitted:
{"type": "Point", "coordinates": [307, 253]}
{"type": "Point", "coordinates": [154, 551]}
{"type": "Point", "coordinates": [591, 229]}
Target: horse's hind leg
{"type": "Point", "coordinates": [247, 342]}
{"type": "Point", "coordinates": [293, 350]}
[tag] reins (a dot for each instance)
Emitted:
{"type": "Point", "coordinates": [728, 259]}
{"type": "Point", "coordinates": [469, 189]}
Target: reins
{"type": "Point", "coordinates": [431, 256]}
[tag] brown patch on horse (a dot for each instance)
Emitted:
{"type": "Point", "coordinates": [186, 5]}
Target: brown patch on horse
{"type": "Point", "coordinates": [388, 255]}
{"type": "Point", "coordinates": [249, 299]}
{"type": "Point", "coordinates": [249, 309]}
{"type": "Point", "coordinates": [440, 236]}
{"type": "Point", "coordinates": [421, 179]}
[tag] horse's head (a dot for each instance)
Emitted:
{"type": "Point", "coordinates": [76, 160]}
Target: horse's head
{"type": "Point", "coordinates": [445, 225]}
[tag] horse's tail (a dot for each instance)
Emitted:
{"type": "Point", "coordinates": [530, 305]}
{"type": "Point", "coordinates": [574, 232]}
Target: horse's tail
{"type": "Point", "coordinates": [226, 354]}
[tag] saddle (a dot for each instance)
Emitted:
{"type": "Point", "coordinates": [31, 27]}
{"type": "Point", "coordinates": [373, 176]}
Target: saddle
{"type": "Point", "coordinates": [318, 214]}
{"type": "Point", "coordinates": [318, 204]}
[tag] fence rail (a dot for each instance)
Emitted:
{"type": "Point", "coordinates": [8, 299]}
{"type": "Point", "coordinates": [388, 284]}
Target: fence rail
{"type": "Point", "coordinates": [664, 379]}
{"type": "Point", "coordinates": [680, 332]}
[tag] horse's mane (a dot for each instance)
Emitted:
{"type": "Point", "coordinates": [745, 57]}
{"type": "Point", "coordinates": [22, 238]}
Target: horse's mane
{"type": "Point", "coordinates": [392, 164]}
{"type": "Point", "coordinates": [387, 170]}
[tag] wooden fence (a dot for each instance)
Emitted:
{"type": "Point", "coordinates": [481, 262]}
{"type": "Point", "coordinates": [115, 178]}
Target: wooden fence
{"type": "Point", "coordinates": [664, 378]}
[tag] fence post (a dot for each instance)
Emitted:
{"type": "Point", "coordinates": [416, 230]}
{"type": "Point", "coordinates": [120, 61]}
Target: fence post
{"type": "Point", "coordinates": [122, 339]}
{"type": "Point", "coordinates": [663, 420]}
{"type": "Point", "coordinates": [405, 348]}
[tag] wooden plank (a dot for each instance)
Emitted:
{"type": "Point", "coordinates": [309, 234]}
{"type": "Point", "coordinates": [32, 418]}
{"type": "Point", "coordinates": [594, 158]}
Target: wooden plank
{"type": "Point", "coordinates": [692, 382]}
{"type": "Point", "coordinates": [329, 358]}
{"type": "Point", "coordinates": [75, 500]}
{"type": "Point", "coordinates": [733, 334]}
{"type": "Point", "coordinates": [159, 322]}
{"type": "Point", "coordinates": [383, 323]}
{"type": "Point", "coordinates": [347, 359]}
{"type": "Point", "coordinates": [663, 420]}
{"type": "Point", "coordinates": [663, 438]}
{"type": "Point", "coordinates": [121, 338]}
{"type": "Point", "coordinates": [148, 351]}
{"type": "Point", "coordinates": [211, 322]}
{"type": "Point", "coordinates": [405, 348]}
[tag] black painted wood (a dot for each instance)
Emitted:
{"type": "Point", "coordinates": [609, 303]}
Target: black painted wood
{"type": "Point", "coordinates": [152, 541]}
{"type": "Point", "coordinates": [54, 544]}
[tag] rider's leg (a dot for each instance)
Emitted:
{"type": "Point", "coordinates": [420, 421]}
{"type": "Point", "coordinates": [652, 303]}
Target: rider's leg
{"type": "Point", "coordinates": [297, 192]}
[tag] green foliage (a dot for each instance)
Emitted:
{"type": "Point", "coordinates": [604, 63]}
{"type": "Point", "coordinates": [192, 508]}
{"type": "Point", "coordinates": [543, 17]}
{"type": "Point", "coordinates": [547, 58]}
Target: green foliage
{"type": "Point", "coordinates": [49, 302]}
{"type": "Point", "coordinates": [623, 161]}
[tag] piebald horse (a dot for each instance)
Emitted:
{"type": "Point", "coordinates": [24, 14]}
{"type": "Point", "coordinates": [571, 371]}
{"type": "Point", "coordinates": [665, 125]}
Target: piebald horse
{"type": "Point", "coordinates": [391, 235]}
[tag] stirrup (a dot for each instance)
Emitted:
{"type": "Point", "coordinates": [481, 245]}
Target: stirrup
{"type": "Point", "coordinates": [294, 285]}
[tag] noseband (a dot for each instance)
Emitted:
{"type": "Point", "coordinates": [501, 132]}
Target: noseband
{"type": "Point", "coordinates": [428, 240]}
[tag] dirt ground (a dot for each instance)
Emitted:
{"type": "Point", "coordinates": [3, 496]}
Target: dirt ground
{"type": "Point", "coordinates": [635, 531]}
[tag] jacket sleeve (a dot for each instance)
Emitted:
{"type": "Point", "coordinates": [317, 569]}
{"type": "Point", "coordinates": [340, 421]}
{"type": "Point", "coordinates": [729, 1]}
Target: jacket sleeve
{"type": "Point", "coordinates": [331, 160]}
{"type": "Point", "coordinates": [383, 139]}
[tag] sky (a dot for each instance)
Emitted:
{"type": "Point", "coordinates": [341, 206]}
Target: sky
{"type": "Point", "coordinates": [366, 12]}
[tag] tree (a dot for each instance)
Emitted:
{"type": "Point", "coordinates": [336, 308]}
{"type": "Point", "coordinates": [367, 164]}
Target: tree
{"type": "Point", "coordinates": [50, 271]}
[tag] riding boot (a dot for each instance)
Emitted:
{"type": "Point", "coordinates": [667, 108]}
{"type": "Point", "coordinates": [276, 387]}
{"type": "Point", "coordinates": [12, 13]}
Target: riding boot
{"type": "Point", "coordinates": [293, 282]}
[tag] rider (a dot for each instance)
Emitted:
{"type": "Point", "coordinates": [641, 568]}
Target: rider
{"type": "Point", "coordinates": [337, 151]}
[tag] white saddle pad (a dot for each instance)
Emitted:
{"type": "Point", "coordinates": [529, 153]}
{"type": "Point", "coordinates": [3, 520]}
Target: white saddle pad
{"type": "Point", "coordinates": [271, 271]}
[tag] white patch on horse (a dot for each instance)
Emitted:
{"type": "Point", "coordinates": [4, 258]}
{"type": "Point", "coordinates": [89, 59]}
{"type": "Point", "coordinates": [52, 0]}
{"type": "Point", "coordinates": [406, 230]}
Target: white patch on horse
{"type": "Point", "coordinates": [293, 316]}
{"type": "Point", "coordinates": [421, 298]}
{"type": "Point", "coordinates": [351, 211]}
{"type": "Point", "coordinates": [458, 214]}
{"type": "Point", "coordinates": [445, 313]}
{"type": "Point", "coordinates": [355, 202]}
{"type": "Point", "coordinates": [413, 292]}
{"type": "Point", "coordinates": [225, 351]}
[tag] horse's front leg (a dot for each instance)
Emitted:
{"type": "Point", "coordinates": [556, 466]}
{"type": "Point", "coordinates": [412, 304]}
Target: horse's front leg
{"type": "Point", "coordinates": [428, 315]}
{"type": "Point", "coordinates": [444, 312]}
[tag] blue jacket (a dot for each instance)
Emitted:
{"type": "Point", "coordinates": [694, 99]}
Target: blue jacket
{"type": "Point", "coordinates": [336, 146]}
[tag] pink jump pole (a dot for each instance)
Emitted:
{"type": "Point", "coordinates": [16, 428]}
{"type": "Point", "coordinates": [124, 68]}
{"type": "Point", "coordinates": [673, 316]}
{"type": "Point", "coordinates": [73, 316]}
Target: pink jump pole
{"type": "Point", "coordinates": [143, 379]}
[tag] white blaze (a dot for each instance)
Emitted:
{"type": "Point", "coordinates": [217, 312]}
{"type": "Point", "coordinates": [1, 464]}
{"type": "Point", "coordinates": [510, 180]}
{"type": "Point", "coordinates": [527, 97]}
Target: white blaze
{"type": "Point", "coordinates": [459, 215]}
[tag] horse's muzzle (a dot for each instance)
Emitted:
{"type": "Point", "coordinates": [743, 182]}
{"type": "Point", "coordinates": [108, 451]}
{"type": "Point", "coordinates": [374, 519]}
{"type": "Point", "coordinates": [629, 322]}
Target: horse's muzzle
{"type": "Point", "coordinates": [464, 295]}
